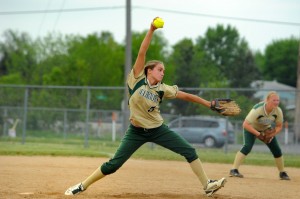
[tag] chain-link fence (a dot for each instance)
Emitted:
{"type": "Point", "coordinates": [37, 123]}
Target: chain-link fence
{"type": "Point", "coordinates": [98, 112]}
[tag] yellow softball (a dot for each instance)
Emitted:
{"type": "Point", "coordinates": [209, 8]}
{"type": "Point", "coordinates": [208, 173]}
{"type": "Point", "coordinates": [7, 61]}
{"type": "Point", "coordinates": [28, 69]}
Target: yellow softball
{"type": "Point", "coordinates": [158, 22]}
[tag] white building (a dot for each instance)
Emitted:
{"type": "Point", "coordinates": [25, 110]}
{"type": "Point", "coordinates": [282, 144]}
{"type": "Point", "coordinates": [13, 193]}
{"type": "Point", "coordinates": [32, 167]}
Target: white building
{"type": "Point", "coordinates": [287, 93]}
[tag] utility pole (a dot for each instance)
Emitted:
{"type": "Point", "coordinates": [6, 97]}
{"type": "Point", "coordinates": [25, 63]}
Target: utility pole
{"type": "Point", "coordinates": [128, 64]}
{"type": "Point", "coordinates": [297, 108]}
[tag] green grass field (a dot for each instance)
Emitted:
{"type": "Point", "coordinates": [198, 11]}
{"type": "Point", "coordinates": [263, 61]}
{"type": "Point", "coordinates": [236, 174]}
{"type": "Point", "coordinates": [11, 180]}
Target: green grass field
{"type": "Point", "coordinates": [41, 146]}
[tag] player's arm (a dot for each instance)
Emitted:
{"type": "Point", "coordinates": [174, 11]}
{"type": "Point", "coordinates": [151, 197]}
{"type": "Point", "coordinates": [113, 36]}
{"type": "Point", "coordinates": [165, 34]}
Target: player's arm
{"type": "Point", "coordinates": [250, 128]}
{"type": "Point", "coordinates": [278, 128]}
{"type": "Point", "coordinates": [141, 57]}
{"type": "Point", "coordinates": [279, 123]}
{"type": "Point", "coordinates": [192, 98]}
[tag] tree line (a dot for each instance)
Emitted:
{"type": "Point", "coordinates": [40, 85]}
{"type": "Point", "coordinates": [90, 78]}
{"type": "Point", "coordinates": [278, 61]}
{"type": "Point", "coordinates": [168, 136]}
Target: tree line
{"type": "Point", "coordinates": [221, 58]}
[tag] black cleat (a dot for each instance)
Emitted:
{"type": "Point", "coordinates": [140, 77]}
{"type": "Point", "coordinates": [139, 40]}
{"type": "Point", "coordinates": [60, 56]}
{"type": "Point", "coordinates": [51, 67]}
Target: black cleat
{"type": "Point", "coordinates": [284, 176]}
{"type": "Point", "coordinates": [235, 173]}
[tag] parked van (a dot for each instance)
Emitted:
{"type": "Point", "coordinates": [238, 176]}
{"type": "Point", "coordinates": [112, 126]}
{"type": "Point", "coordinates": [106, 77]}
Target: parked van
{"type": "Point", "coordinates": [212, 132]}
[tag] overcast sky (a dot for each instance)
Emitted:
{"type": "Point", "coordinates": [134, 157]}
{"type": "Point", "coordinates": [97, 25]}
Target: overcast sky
{"type": "Point", "coordinates": [258, 21]}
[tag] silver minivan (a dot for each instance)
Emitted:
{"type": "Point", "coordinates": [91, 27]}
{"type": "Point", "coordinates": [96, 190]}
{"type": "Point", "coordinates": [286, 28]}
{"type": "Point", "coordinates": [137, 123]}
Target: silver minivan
{"type": "Point", "coordinates": [210, 131]}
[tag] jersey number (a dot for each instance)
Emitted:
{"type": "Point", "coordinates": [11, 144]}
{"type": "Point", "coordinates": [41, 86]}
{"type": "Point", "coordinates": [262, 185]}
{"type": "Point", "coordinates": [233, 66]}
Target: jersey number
{"type": "Point", "coordinates": [151, 109]}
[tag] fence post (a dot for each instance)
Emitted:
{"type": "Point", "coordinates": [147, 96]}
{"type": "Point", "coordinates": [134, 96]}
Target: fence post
{"type": "Point", "coordinates": [286, 133]}
{"type": "Point", "coordinates": [114, 118]}
{"type": "Point", "coordinates": [227, 134]}
{"type": "Point", "coordinates": [25, 115]}
{"type": "Point", "coordinates": [65, 123]}
{"type": "Point", "coordinates": [5, 132]}
{"type": "Point", "coordinates": [86, 141]}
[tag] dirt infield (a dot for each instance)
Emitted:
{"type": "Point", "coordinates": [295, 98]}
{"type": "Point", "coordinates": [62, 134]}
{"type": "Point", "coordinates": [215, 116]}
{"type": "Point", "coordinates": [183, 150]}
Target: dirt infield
{"type": "Point", "coordinates": [49, 177]}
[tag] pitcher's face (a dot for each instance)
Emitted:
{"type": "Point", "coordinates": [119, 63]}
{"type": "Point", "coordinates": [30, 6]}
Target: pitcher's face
{"type": "Point", "coordinates": [157, 73]}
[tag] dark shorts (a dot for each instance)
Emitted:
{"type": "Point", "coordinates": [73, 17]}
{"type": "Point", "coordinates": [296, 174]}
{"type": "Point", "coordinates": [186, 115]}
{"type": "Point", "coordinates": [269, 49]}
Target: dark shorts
{"type": "Point", "coordinates": [135, 137]}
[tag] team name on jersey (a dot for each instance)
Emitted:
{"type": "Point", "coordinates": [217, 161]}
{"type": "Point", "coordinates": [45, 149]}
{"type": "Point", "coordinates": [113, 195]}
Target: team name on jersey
{"type": "Point", "coordinates": [265, 120]}
{"type": "Point", "coordinates": [149, 95]}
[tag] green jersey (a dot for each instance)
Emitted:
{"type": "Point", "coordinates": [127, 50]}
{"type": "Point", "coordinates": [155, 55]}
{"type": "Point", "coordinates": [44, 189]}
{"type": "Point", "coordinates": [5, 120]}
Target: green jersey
{"type": "Point", "coordinates": [145, 100]}
{"type": "Point", "coordinates": [259, 118]}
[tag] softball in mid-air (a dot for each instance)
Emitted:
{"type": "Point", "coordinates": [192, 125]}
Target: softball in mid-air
{"type": "Point", "coordinates": [158, 22]}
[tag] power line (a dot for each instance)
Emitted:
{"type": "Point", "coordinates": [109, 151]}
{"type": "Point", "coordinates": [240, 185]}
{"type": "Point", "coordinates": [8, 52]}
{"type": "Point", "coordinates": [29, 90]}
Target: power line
{"type": "Point", "coordinates": [59, 10]}
{"type": "Point", "coordinates": [150, 8]}
{"type": "Point", "coordinates": [59, 13]}
{"type": "Point", "coordinates": [221, 17]}
{"type": "Point", "coordinates": [44, 15]}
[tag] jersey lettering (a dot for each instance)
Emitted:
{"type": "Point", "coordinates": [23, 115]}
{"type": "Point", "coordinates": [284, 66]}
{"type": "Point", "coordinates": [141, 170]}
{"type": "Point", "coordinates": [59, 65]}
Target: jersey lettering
{"type": "Point", "coordinates": [149, 95]}
{"type": "Point", "coordinates": [265, 120]}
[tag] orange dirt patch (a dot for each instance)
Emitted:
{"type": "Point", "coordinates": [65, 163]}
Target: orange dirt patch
{"type": "Point", "coordinates": [49, 177]}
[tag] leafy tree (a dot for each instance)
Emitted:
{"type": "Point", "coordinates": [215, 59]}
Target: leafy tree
{"type": "Point", "coordinates": [18, 56]}
{"type": "Point", "coordinates": [280, 61]}
{"type": "Point", "coordinates": [219, 59]}
{"type": "Point", "coordinates": [52, 56]}
{"type": "Point", "coordinates": [259, 59]}
{"type": "Point", "coordinates": [4, 57]}
{"type": "Point", "coordinates": [96, 60]}
{"type": "Point", "coordinates": [224, 49]}
{"type": "Point", "coordinates": [182, 58]}
{"type": "Point", "coordinates": [186, 74]}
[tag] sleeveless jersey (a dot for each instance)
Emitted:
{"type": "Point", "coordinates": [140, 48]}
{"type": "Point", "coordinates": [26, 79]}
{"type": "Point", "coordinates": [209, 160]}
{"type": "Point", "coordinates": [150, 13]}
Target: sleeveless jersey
{"type": "Point", "coordinates": [260, 120]}
{"type": "Point", "coordinates": [144, 100]}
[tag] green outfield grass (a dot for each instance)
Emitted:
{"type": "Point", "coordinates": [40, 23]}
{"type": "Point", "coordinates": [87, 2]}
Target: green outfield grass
{"type": "Point", "coordinates": [105, 148]}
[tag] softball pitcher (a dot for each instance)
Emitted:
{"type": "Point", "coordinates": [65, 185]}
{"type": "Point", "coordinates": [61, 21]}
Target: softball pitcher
{"type": "Point", "coordinates": [146, 123]}
{"type": "Point", "coordinates": [261, 117]}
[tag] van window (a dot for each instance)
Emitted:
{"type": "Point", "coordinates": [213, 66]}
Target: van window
{"type": "Point", "coordinates": [196, 123]}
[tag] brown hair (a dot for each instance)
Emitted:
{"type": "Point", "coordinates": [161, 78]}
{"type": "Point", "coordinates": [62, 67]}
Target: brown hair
{"type": "Point", "coordinates": [150, 65]}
